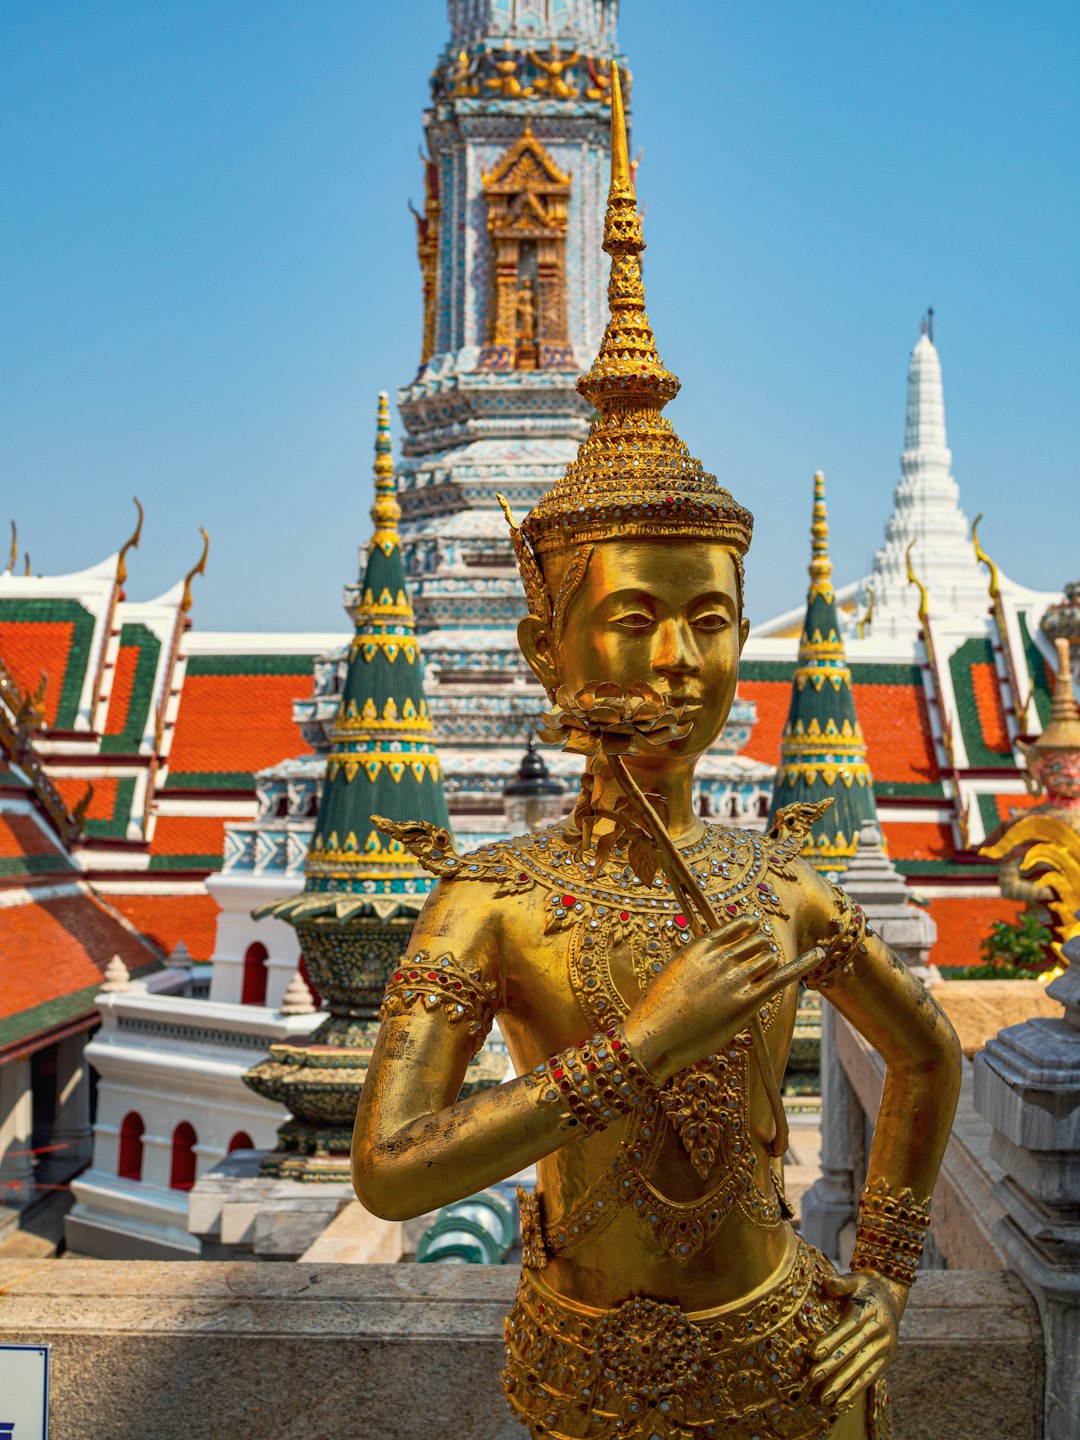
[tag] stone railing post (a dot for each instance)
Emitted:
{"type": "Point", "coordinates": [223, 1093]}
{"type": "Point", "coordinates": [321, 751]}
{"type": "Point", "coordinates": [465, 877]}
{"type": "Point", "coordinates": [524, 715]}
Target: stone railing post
{"type": "Point", "coordinates": [1027, 1085]}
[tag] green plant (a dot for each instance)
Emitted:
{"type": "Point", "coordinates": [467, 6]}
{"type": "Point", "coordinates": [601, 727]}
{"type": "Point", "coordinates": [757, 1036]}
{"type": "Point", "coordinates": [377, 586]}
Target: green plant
{"type": "Point", "coordinates": [1010, 952]}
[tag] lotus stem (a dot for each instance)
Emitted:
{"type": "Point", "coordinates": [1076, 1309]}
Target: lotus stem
{"type": "Point", "coordinates": [685, 888]}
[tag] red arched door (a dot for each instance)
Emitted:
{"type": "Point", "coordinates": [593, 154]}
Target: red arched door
{"type": "Point", "coordinates": [254, 988]}
{"type": "Point", "coordinates": [241, 1141]}
{"type": "Point", "coordinates": [131, 1147]}
{"type": "Point", "coordinates": [182, 1174]}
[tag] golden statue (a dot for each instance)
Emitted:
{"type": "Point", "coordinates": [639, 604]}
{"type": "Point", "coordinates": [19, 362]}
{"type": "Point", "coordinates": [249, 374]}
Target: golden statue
{"type": "Point", "coordinates": [552, 82]}
{"type": "Point", "coordinates": [644, 965]}
{"type": "Point", "coordinates": [506, 80]}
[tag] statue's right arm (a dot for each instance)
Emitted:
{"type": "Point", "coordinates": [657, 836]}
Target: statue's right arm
{"type": "Point", "coordinates": [415, 1145]}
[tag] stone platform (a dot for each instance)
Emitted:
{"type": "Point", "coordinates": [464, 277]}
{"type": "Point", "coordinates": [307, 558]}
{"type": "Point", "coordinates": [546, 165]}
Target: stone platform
{"type": "Point", "coordinates": [264, 1351]}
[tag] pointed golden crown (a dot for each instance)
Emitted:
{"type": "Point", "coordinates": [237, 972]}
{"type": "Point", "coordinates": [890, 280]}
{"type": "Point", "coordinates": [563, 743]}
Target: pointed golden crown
{"type": "Point", "coordinates": [632, 476]}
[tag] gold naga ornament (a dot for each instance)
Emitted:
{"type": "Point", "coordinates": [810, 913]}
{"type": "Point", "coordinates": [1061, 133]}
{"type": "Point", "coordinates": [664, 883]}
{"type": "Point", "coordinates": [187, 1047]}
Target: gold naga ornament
{"type": "Point", "coordinates": [644, 966]}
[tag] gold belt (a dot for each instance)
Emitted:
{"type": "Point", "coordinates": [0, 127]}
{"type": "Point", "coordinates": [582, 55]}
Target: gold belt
{"type": "Point", "coordinates": [648, 1368]}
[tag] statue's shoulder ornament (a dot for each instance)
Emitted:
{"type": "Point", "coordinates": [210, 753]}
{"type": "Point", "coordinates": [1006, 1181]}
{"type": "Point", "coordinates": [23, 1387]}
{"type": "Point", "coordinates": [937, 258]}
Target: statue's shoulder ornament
{"type": "Point", "coordinates": [433, 846]}
{"type": "Point", "coordinates": [788, 831]}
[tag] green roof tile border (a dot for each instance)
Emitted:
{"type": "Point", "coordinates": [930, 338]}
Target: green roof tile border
{"type": "Point", "coordinates": [185, 862]}
{"type": "Point", "coordinates": [51, 1013]}
{"type": "Point", "coordinates": [210, 780]}
{"type": "Point", "coordinates": [127, 740]}
{"type": "Point", "coordinates": [14, 865]}
{"type": "Point", "coordinates": [115, 828]}
{"type": "Point", "coordinates": [975, 651]}
{"type": "Point", "coordinates": [1037, 671]}
{"type": "Point", "coordinates": [299, 665]}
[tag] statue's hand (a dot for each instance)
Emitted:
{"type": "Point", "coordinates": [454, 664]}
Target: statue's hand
{"type": "Point", "coordinates": [853, 1355]}
{"type": "Point", "coordinates": [707, 994]}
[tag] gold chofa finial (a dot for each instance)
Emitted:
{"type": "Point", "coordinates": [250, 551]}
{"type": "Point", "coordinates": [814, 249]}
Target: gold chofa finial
{"type": "Point", "coordinates": [385, 512]}
{"type": "Point", "coordinates": [132, 544]}
{"type": "Point", "coordinates": [820, 564]}
{"type": "Point", "coordinates": [199, 568]}
{"type": "Point", "coordinates": [632, 476]}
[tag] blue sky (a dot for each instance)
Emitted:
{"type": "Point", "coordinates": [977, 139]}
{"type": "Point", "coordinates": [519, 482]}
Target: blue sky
{"type": "Point", "coordinates": [207, 272]}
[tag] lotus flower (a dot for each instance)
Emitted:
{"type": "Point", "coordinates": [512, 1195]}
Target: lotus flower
{"type": "Point", "coordinates": [606, 719]}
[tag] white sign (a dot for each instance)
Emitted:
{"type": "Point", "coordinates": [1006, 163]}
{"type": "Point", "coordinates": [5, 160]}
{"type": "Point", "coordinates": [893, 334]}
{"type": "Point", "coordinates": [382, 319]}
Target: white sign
{"type": "Point", "coordinates": [24, 1392]}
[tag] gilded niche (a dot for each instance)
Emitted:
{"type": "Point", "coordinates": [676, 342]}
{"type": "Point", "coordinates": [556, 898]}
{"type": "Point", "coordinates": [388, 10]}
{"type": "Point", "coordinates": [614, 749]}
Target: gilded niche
{"type": "Point", "coordinates": [527, 201]}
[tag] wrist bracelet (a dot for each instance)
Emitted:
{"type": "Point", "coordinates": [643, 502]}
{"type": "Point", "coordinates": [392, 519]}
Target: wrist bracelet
{"type": "Point", "coordinates": [890, 1232]}
{"type": "Point", "coordinates": [595, 1082]}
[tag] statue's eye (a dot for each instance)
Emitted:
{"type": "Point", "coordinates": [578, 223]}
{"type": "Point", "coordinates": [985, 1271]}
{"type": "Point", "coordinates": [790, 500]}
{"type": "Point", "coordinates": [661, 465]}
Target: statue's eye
{"type": "Point", "coordinates": [634, 620]}
{"type": "Point", "coordinates": [713, 620]}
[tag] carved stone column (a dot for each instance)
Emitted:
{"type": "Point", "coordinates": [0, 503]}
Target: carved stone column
{"type": "Point", "coordinates": [873, 881]}
{"type": "Point", "coordinates": [1027, 1084]}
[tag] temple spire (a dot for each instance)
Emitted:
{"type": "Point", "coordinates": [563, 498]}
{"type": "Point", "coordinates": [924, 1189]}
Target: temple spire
{"type": "Point", "coordinates": [382, 758]}
{"type": "Point", "coordinates": [822, 750]}
{"type": "Point", "coordinates": [927, 521]}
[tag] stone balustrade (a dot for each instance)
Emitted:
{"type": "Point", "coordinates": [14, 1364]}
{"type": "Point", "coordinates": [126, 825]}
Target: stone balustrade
{"type": "Point", "coordinates": [264, 1351]}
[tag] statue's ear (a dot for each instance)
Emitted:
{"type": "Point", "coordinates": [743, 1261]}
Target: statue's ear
{"type": "Point", "coordinates": [534, 638]}
{"type": "Point", "coordinates": [744, 631]}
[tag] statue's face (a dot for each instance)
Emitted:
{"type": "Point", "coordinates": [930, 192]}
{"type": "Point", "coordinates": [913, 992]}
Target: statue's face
{"type": "Point", "coordinates": [665, 612]}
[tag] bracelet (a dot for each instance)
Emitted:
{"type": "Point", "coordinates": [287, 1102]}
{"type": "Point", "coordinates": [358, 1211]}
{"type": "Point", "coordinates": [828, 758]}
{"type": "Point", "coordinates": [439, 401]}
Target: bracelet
{"type": "Point", "coordinates": [595, 1082]}
{"type": "Point", "coordinates": [890, 1232]}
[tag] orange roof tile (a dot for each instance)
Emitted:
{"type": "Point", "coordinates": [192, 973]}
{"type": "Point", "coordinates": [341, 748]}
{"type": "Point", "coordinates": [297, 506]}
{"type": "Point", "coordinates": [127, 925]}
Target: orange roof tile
{"type": "Point", "coordinates": [919, 840]}
{"type": "Point", "coordinates": [963, 923]}
{"type": "Point", "coordinates": [235, 723]}
{"type": "Point", "coordinates": [168, 919]}
{"type": "Point", "coordinates": [103, 801]}
{"type": "Point", "coordinates": [896, 724]}
{"type": "Point", "coordinates": [22, 835]}
{"type": "Point", "coordinates": [188, 835]}
{"type": "Point", "coordinates": [773, 699]}
{"type": "Point", "coordinates": [123, 687]}
{"type": "Point", "coordinates": [987, 688]}
{"type": "Point", "coordinates": [32, 647]}
{"type": "Point", "coordinates": [57, 947]}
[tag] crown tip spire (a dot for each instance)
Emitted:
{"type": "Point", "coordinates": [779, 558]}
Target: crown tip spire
{"type": "Point", "coordinates": [820, 563]}
{"type": "Point", "coordinates": [620, 155]}
{"type": "Point", "coordinates": [385, 512]}
{"type": "Point", "coordinates": [1064, 705]}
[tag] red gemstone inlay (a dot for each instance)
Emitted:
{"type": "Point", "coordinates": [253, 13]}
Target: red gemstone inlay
{"type": "Point", "coordinates": [591, 1068]}
{"type": "Point", "coordinates": [616, 1044]}
{"type": "Point", "coordinates": [762, 886]}
{"type": "Point", "coordinates": [431, 975]}
{"type": "Point", "coordinates": [568, 901]}
{"type": "Point", "coordinates": [558, 1074]}
{"type": "Point", "coordinates": [732, 909]}
{"type": "Point", "coordinates": [681, 921]}
{"type": "Point", "coordinates": [523, 876]}
{"type": "Point", "coordinates": [624, 914]}
{"type": "Point", "coordinates": [414, 975]}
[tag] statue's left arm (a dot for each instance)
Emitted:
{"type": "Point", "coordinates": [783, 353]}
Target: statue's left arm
{"type": "Point", "coordinates": [877, 994]}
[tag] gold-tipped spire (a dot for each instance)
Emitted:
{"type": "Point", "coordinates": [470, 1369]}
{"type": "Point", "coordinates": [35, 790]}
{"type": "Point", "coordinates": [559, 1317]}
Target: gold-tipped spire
{"type": "Point", "coordinates": [820, 564]}
{"type": "Point", "coordinates": [632, 476]}
{"type": "Point", "coordinates": [1064, 724]}
{"type": "Point", "coordinates": [199, 568]}
{"type": "Point", "coordinates": [627, 371]}
{"type": "Point", "coordinates": [132, 544]}
{"type": "Point", "coordinates": [14, 552]}
{"type": "Point", "coordinates": [385, 512]}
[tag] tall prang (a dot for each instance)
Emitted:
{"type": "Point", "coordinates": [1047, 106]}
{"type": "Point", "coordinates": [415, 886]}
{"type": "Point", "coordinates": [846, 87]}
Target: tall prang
{"type": "Point", "coordinates": [517, 143]}
{"type": "Point", "coordinates": [822, 750]}
{"type": "Point", "coordinates": [517, 146]}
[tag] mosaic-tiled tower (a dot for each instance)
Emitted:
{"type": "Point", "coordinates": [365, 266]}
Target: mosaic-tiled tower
{"type": "Point", "coordinates": [517, 141]}
{"type": "Point", "coordinates": [362, 893]}
{"type": "Point", "coordinates": [517, 138]}
{"type": "Point", "coordinates": [822, 750]}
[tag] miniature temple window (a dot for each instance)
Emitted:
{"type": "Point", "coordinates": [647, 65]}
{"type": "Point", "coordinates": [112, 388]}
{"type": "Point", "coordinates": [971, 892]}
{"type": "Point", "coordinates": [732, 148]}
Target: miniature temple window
{"type": "Point", "coordinates": [240, 1141]}
{"type": "Point", "coordinates": [527, 199]}
{"type": "Point", "coordinates": [182, 1169]}
{"type": "Point", "coordinates": [254, 985]}
{"type": "Point", "coordinates": [129, 1165]}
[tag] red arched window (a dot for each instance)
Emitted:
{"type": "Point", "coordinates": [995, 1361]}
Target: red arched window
{"type": "Point", "coordinates": [182, 1174]}
{"type": "Point", "coordinates": [131, 1133]}
{"type": "Point", "coordinates": [241, 1141]}
{"type": "Point", "coordinates": [254, 991]}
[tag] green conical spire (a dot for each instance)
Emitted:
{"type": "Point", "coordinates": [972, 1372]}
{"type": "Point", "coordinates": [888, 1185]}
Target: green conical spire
{"type": "Point", "coordinates": [382, 759]}
{"type": "Point", "coordinates": [822, 751]}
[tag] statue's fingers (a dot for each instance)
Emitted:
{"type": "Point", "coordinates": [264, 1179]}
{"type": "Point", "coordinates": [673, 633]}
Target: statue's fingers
{"type": "Point", "coordinates": [795, 969]}
{"type": "Point", "coordinates": [840, 1282]}
{"type": "Point", "coordinates": [860, 1371]}
{"type": "Point", "coordinates": [830, 1342]}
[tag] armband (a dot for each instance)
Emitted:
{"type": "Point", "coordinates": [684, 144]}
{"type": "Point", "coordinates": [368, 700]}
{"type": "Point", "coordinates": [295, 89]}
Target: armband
{"type": "Point", "coordinates": [464, 996]}
{"type": "Point", "coordinates": [890, 1232]}
{"type": "Point", "coordinates": [846, 945]}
